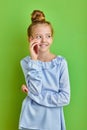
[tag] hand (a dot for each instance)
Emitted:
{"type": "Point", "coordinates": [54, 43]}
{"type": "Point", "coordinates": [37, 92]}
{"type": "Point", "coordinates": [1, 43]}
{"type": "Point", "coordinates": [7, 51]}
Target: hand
{"type": "Point", "coordinates": [34, 48]}
{"type": "Point", "coordinates": [24, 88]}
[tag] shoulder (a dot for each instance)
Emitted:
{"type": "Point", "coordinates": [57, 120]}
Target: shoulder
{"type": "Point", "coordinates": [63, 64]}
{"type": "Point", "coordinates": [61, 60]}
{"type": "Point", "coordinates": [24, 61]}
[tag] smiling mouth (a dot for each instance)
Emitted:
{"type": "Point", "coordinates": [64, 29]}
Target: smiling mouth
{"type": "Point", "coordinates": [43, 45]}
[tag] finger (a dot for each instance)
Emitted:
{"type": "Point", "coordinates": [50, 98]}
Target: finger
{"type": "Point", "coordinates": [23, 87]}
{"type": "Point", "coordinates": [25, 90]}
{"type": "Point", "coordinates": [34, 45]}
{"type": "Point", "coordinates": [34, 41]}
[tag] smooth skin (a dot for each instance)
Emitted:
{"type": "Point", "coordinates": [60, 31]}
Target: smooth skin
{"type": "Point", "coordinates": [39, 45]}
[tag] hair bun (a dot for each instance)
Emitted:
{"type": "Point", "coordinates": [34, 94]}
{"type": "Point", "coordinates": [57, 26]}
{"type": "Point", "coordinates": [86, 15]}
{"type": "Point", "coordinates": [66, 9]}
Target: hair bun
{"type": "Point", "coordinates": [37, 16]}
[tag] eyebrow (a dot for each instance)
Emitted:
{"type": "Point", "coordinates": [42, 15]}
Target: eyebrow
{"type": "Point", "coordinates": [45, 34]}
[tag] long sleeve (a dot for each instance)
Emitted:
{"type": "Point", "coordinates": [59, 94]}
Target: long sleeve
{"type": "Point", "coordinates": [32, 75]}
{"type": "Point", "coordinates": [46, 97]}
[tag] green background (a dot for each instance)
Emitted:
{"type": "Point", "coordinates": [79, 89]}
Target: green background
{"type": "Point", "coordinates": [69, 19]}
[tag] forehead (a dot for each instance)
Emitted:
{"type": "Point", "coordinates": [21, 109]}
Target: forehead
{"type": "Point", "coordinates": [41, 29]}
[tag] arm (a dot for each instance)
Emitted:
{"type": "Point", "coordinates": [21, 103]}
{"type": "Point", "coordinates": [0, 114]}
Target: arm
{"type": "Point", "coordinates": [32, 75]}
{"type": "Point", "coordinates": [48, 98]}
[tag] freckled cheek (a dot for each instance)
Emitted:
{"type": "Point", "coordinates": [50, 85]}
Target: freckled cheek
{"type": "Point", "coordinates": [50, 41]}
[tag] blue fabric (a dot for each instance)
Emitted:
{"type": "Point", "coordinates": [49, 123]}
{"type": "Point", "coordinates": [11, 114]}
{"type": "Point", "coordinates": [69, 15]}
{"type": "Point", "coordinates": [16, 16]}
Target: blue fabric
{"type": "Point", "coordinates": [49, 91]}
{"type": "Point", "coordinates": [28, 129]}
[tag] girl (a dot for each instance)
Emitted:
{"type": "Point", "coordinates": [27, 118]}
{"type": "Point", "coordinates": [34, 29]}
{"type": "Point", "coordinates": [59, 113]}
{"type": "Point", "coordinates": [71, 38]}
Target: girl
{"type": "Point", "coordinates": [47, 80]}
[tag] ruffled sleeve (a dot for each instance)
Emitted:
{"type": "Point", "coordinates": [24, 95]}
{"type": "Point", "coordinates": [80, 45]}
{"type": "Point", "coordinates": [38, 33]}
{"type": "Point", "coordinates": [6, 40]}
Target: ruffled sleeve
{"type": "Point", "coordinates": [32, 73]}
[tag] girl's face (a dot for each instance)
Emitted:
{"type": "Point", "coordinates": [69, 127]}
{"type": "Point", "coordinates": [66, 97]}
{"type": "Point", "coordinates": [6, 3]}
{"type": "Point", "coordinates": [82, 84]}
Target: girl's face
{"type": "Point", "coordinates": [43, 35]}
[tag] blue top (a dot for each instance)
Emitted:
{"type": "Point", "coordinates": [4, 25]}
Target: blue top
{"type": "Point", "coordinates": [49, 91]}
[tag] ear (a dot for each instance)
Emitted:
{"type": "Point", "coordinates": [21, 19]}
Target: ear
{"type": "Point", "coordinates": [30, 39]}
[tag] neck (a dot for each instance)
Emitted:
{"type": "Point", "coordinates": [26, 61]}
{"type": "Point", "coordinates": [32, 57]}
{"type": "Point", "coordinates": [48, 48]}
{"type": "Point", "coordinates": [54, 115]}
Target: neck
{"type": "Point", "coordinates": [47, 56]}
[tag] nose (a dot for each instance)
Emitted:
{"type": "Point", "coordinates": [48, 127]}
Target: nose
{"type": "Point", "coordinates": [43, 39]}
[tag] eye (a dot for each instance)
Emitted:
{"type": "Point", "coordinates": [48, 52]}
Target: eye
{"type": "Point", "coordinates": [38, 37]}
{"type": "Point", "coordinates": [48, 36]}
